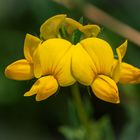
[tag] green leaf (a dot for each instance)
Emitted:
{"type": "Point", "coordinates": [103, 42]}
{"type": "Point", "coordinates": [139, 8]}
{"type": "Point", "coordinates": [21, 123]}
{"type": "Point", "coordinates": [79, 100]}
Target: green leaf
{"type": "Point", "coordinates": [71, 133]}
{"type": "Point", "coordinates": [81, 20]}
{"type": "Point", "coordinates": [76, 36]}
{"type": "Point", "coordinates": [101, 130]}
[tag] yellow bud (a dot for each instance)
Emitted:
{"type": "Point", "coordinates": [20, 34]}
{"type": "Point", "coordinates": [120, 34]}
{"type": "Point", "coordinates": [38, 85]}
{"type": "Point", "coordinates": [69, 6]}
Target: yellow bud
{"type": "Point", "coordinates": [43, 88]}
{"type": "Point", "coordinates": [90, 30]}
{"type": "Point", "coordinates": [105, 89]}
{"type": "Point", "coordinates": [129, 74]}
{"type": "Point", "coordinates": [20, 70]}
{"type": "Point", "coordinates": [50, 28]}
{"type": "Point", "coordinates": [71, 25]}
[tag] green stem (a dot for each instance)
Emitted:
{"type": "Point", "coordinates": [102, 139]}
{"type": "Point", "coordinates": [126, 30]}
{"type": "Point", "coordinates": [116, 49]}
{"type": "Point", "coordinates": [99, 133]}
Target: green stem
{"type": "Point", "coordinates": [79, 105]}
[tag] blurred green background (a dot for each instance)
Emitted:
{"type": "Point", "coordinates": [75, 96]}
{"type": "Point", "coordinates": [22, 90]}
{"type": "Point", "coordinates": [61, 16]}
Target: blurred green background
{"type": "Point", "coordinates": [24, 119]}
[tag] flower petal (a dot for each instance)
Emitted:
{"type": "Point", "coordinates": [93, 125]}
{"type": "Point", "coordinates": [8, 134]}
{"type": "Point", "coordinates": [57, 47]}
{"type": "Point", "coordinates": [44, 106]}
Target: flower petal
{"type": "Point", "coordinates": [100, 52]}
{"type": "Point", "coordinates": [115, 72]}
{"type": "Point", "coordinates": [105, 89]}
{"type": "Point", "coordinates": [63, 70]}
{"type": "Point", "coordinates": [129, 74]}
{"type": "Point", "coordinates": [83, 68]}
{"type": "Point", "coordinates": [34, 89]}
{"type": "Point", "coordinates": [30, 44]}
{"type": "Point", "coordinates": [43, 87]}
{"type": "Point", "coordinates": [20, 70]}
{"type": "Point", "coordinates": [90, 30]}
{"type": "Point", "coordinates": [49, 54]}
{"type": "Point", "coordinates": [49, 29]}
{"type": "Point", "coordinates": [121, 50]}
{"type": "Point", "coordinates": [71, 25]}
{"type": "Point", "coordinates": [38, 72]}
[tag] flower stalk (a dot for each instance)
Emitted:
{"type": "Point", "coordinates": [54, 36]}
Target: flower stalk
{"type": "Point", "coordinates": [79, 105]}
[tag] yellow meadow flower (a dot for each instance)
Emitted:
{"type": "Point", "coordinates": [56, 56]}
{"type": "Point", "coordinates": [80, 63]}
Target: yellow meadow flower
{"type": "Point", "coordinates": [23, 69]}
{"type": "Point", "coordinates": [92, 65]}
{"type": "Point", "coordinates": [53, 56]}
{"type": "Point", "coordinates": [52, 62]}
{"type": "Point", "coordinates": [50, 28]}
{"type": "Point", "coordinates": [55, 61]}
{"type": "Point", "coordinates": [129, 74]}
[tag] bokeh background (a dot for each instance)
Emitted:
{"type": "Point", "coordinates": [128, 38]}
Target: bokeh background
{"type": "Point", "coordinates": [25, 119]}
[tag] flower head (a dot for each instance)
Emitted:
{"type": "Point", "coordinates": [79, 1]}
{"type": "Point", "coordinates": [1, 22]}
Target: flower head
{"type": "Point", "coordinates": [53, 57]}
{"type": "Point", "coordinates": [51, 27]}
{"type": "Point", "coordinates": [92, 64]}
{"type": "Point", "coordinates": [20, 70]}
{"type": "Point", "coordinates": [52, 67]}
{"type": "Point", "coordinates": [23, 69]}
{"type": "Point", "coordinates": [129, 74]}
{"type": "Point", "coordinates": [56, 59]}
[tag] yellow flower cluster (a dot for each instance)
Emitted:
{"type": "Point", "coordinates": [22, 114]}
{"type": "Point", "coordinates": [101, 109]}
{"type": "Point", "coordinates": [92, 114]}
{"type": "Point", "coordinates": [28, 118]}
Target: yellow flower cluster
{"type": "Point", "coordinates": [55, 61]}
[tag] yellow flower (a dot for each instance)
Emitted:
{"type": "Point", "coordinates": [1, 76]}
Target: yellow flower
{"type": "Point", "coordinates": [50, 28]}
{"type": "Point", "coordinates": [23, 69]}
{"type": "Point", "coordinates": [20, 70]}
{"type": "Point", "coordinates": [129, 74]}
{"type": "Point", "coordinates": [51, 58]}
{"type": "Point", "coordinates": [92, 62]}
{"type": "Point", "coordinates": [52, 62]}
{"type": "Point", "coordinates": [57, 62]}
{"type": "Point", "coordinates": [116, 67]}
{"type": "Point", "coordinates": [43, 87]}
